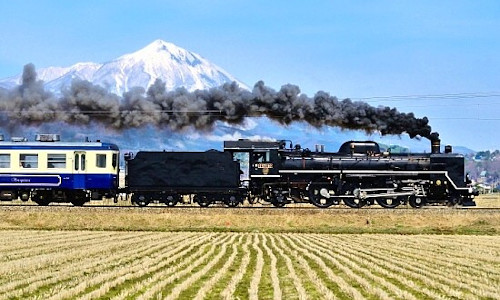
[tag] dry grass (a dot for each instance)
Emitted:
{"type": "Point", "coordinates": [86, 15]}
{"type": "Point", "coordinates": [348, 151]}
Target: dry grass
{"type": "Point", "coordinates": [403, 221]}
{"type": "Point", "coordinates": [488, 201]}
{"type": "Point", "coordinates": [153, 265]}
{"type": "Point", "coordinates": [266, 219]}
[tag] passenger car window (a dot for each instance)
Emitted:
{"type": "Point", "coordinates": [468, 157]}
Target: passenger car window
{"type": "Point", "coordinates": [28, 161]}
{"type": "Point", "coordinates": [101, 160]}
{"type": "Point", "coordinates": [82, 165]}
{"type": "Point", "coordinates": [77, 161]}
{"type": "Point", "coordinates": [56, 161]}
{"type": "Point", "coordinates": [4, 161]}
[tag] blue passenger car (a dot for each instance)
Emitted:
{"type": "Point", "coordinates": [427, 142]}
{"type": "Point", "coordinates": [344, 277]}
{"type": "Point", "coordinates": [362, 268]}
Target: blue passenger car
{"type": "Point", "coordinates": [48, 170]}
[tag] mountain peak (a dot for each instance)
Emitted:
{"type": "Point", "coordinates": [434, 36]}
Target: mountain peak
{"type": "Point", "coordinates": [159, 46]}
{"type": "Point", "coordinates": [161, 52]}
{"type": "Point", "coordinates": [175, 66]}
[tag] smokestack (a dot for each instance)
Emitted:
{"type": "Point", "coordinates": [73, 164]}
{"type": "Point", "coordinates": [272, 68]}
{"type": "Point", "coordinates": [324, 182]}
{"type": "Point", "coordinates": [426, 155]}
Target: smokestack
{"type": "Point", "coordinates": [436, 146]}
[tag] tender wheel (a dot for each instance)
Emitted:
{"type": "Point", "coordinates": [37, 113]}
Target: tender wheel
{"type": "Point", "coordinates": [417, 201]}
{"type": "Point", "coordinates": [140, 200]}
{"type": "Point", "coordinates": [319, 195]}
{"type": "Point", "coordinates": [202, 200]}
{"type": "Point", "coordinates": [389, 202]}
{"type": "Point", "coordinates": [172, 200]}
{"type": "Point", "coordinates": [232, 200]}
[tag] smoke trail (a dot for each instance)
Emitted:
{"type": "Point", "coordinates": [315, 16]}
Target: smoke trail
{"type": "Point", "coordinates": [84, 103]}
{"type": "Point", "coordinates": [28, 103]}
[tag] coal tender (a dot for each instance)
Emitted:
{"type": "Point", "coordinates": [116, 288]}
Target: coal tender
{"type": "Point", "coordinates": [166, 177]}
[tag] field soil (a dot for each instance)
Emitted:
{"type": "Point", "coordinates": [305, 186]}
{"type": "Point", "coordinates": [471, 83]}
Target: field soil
{"type": "Point", "coordinates": [39, 264]}
{"type": "Point", "coordinates": [95, 252]}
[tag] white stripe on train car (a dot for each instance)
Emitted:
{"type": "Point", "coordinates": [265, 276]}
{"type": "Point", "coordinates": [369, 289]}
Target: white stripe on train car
{"type": "Point", "coordinates": [22, 182]}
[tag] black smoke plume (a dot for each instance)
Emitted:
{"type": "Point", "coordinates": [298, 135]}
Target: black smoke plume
{"type": "Point", "coordinates": [84, 103]}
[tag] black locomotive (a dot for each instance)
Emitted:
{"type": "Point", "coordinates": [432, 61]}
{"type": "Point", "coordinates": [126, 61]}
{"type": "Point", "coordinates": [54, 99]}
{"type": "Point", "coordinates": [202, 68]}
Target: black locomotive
{"type": "Point", "coordinates": [358, 174]}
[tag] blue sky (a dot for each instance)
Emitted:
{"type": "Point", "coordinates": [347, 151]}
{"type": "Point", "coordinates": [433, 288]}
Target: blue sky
{"type": "Point", "coordinates": [356, 49]}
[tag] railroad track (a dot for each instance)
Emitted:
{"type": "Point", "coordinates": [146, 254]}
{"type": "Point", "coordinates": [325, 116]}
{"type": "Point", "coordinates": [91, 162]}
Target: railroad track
{"type": "Point", "coordinates": [196, 207]}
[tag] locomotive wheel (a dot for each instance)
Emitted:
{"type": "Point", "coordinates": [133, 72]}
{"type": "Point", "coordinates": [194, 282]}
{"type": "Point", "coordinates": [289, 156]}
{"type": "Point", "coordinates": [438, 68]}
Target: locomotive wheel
{"type": "Point", "coordinates": [389, 202]}
{"type": "Point", "coordinates": [453, 201]}
{"type": "Point", "coordinates": [320, 196]}
{"type": "Point", "coordinates": [171, 200]}
{"type": "Point", "coordinates": [353, 202]}
{"type": "Point", "coordinates": [417, 201]}
{"type": "Point", "coordinates": [277, 198]}
{"type": "Point", "coordinates": [278, 201]}
{"type": "Point", "coordinates": [202, 200]}
{"type": "Point", "coordinates": [232, 200]}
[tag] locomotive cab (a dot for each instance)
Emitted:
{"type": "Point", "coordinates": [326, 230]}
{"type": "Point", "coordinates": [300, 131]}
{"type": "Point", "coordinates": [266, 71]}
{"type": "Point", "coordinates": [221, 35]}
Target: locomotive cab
{"type": "Point", "coordinates": [257, 159]}
{"type": "Point", "coordinates": [259, 167]}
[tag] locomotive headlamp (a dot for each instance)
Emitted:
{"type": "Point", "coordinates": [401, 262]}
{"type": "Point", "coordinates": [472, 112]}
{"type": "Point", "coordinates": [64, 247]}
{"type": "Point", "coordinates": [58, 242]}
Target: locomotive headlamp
{"type": "Point", "coordinates": [438, 182]}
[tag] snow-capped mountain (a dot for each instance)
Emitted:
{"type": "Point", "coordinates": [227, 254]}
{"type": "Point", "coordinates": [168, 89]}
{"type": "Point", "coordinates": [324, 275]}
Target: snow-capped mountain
{"type": "Point", "coordinates": [175, 66]}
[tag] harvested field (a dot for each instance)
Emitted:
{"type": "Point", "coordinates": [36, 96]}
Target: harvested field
{"type": "Point", "coordinates": [151, 265]}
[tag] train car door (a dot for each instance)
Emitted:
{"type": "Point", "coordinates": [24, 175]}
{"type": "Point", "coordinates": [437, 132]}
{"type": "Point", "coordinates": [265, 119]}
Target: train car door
{"type": "Point", "coordinates": [79, 169]}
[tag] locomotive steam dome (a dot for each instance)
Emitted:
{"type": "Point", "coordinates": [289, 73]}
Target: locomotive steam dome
{"type": "Point", "coordinates": [356, 147]}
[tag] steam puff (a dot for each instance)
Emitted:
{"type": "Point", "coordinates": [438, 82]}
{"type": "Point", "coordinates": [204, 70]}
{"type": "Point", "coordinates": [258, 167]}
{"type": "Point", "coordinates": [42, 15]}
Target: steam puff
{"type": "Point", "coordinates": [83, 103]}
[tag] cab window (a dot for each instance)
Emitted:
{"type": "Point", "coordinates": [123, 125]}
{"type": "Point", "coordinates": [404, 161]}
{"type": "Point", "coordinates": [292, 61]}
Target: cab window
{"type": "Point", "coordinates": [261, 156]}
{"type": "Point", "coordinates": [4, 161]}
{"type": "Point", "coordinates": [101, 160]}
{"type": "Point", "coordinates": [28, 161]}
{"type": "Point", "coordinates": [56, 161]}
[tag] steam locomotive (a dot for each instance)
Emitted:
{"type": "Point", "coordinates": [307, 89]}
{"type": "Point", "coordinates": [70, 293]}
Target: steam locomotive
{"type": "Point", "coordinates": [358, 174]}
